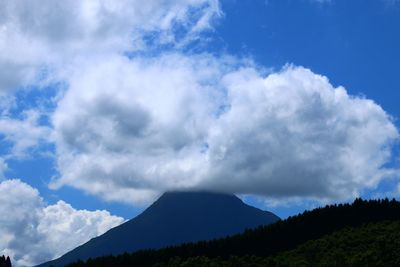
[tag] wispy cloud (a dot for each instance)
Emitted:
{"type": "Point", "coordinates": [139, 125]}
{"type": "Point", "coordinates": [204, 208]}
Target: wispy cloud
{"type": "Point", "coordinates": [34, 35]}
{"type": "Point", "coordinates": [3, 168]}
{"type": "Point", "coordinates": [23, 134]}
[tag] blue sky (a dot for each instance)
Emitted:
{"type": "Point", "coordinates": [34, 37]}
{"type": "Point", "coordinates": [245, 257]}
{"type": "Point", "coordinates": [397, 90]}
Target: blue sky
{"type": "Point", "coordinates": [353, 43]}
{"type": "Point", "coordinates": [290, 104]}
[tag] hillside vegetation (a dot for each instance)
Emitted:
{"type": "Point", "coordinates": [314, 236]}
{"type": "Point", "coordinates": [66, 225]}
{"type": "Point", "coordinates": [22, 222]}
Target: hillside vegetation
{"type": "Point", "coordinates": [376, 244]}
{"type": "Point", "coordinates": [297, 239]}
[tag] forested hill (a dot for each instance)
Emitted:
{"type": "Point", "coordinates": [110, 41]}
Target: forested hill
{"type": "Point", "coordinates": [268, 240]}
{"type": "Point", "coordinates": [374, 245]}
{"type": "Point", "coordinates": [5, 262]}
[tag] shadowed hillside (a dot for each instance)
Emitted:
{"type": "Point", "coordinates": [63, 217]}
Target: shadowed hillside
{"type": "Point", "coordinates": [175, 218]}
{"type": "Point", "coordinates": [376, 244]}
{"type": "Point", "coordinates": [269, 240]}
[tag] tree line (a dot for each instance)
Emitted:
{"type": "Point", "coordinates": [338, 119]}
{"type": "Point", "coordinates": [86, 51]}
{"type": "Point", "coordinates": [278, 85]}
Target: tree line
{"type": "Point", "coordinates": [5, 262]}
{"type": "Point", "coordinates": [372, 245]}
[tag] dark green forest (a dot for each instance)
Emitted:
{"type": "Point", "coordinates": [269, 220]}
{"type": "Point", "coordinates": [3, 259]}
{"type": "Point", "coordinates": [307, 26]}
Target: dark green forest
{"type": "Point", "coordinates": [375, 244]}
{"type": "Point", "coordinates": [364, 233]}
{"type": "Point", "coordinates": [5, 262]}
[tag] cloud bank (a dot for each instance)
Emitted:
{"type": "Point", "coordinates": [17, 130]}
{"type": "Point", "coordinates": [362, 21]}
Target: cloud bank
{"type": "Point", "coordinates": [130, 128]}
{"type": "Point", "coordinates": [32, 232]}
{"type": "Point", "coordinates": [139, 116]}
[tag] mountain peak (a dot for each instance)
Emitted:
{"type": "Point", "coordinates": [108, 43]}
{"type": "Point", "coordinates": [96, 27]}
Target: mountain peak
{"type": "Point", "coordinates": [180, 194]}
{"type": "Point", "coordinates": [191, 198]}
{"type": "Point", "coordinates": [176, 217]}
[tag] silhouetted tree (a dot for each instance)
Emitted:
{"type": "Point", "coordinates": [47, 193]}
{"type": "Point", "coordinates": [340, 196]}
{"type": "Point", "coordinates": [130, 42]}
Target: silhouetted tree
{"type": "Point", "coordinates": [5, 262]}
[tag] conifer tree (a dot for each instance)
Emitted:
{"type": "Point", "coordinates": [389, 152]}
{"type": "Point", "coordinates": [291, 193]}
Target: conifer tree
{"type": "Point", "coordinates": [5, 262]}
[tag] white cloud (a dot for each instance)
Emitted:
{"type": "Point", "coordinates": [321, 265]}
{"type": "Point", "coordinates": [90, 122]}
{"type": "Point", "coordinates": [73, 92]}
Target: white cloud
{"type": "Point", "coordinates": [61, 220]}
{"type": "Point", "coordinates": [135, 119]}
{"type": "Point", "coordinates": [41, 44]}
{"type": "Point", "coordinates": [293, 134]}
{"type": "Point", "coordinates": [31, 232]}
{"type": "Point", "coordinates": [199, 122]}
{"type": "Point", "coordinates": [23, 134]}
{"type": "Point", "coordinates": [56, 33]}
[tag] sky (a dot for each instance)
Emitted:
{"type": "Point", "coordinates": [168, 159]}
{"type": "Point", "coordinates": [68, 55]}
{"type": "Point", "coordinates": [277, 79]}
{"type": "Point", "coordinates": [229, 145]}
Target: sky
{"type": "Point", "coordinates": [105, 105]}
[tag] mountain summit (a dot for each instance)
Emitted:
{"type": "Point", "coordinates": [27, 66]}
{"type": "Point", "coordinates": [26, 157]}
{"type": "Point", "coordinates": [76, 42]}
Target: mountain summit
{"type": "Point", "coordinates": [175, 218]}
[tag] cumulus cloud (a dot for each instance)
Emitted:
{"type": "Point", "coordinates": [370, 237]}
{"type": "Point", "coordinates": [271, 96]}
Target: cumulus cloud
{"type": "Point", "coordinates": [294, 134]}
{"type": "Point", "coordinates": [143, 117]}
{"type": "Point", "coordinates": [128, 129]}
{"type": "Point", "coordinates": [44, 43]}
{"type": "Point", "coordinates": [58, 32]}
{"type": "Point", "coordinates": [62, 220]}
{"type": "Point", "coordinates": [31, 232]}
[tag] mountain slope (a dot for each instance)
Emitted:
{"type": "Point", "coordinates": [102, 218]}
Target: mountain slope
{"type": "Point", "coordinates": [175, 218]}
{"type": "Point", "coordinates": [267, 241]}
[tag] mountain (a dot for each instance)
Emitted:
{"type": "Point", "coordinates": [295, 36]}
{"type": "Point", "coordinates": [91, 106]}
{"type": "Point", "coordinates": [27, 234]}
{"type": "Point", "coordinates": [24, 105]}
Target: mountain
{"type": "Point", "coordinates": [175, 218]}
{"type": "Point", "coordinates": [291, 242]}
